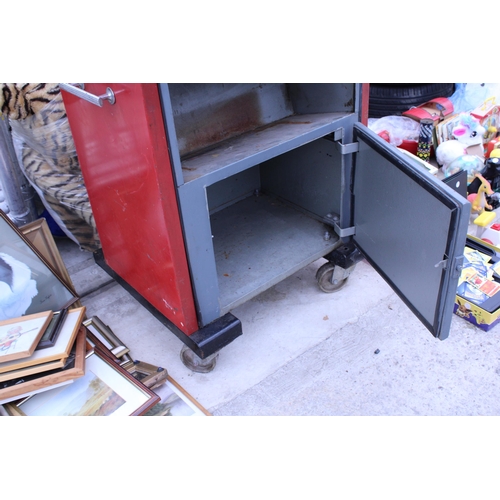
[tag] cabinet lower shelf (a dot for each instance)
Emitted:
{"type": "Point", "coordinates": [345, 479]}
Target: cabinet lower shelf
{"type": "Point", "coordinates": [258, 242]}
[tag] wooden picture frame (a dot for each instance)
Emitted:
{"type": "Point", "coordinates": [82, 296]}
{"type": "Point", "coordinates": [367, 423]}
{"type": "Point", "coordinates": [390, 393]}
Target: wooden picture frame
{"type": "Point", "coordinates": [19, 337]}
{"type": "Point", "coordinates": [39, 235]}
{"type": "Point", "coordinates": [176, 402]}
{"type": "Point", "coordinates": [52, 331]}
{"type": "Point", "coordinates": [107, 338]}
{"type": "Point", "coordinates": [150, 375]}
{"type": "Point", "coordinates": [26, 371]}
{"type": "Point", "coordinates": [106, 389]}
{"type": "Point", "coordinates": [60, 350]}
{"type": "Point", "coordinates": [34, 384]}
{"type": "Point", "coordinates": [38, 286]}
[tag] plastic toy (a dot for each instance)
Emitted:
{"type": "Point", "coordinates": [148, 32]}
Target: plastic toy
{"type": "Point", "coordinates": [478, 200]}
{"type": "Point", "coordinates": [491, 147]}
{"type": "Point", "coordinates": [491, 234]}
{"type": "Point", "coordinates": [491, 173]}
{"type": "Point", "coordinates": [486, 228]}
{"type": "Point", "coordinates": [470, 163]}
{"type": "Point", "coordinates": [435, 110]}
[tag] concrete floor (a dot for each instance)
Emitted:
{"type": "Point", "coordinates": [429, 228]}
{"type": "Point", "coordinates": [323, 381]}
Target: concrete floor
{"type": "Point", "coordinates": [304, 352]}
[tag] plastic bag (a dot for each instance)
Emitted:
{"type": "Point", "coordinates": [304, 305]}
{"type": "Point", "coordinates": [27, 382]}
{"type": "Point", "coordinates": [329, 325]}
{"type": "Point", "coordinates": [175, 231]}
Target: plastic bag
{"type": "Point", "coordinates": [47, 156]}
{"type": "Point", "coordinates": [399, 128]}
{"type": "Point", "coordinates": [468, 96]}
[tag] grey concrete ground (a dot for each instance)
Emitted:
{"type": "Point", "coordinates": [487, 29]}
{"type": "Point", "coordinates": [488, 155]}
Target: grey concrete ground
{"type": "Point", "coordinates": [304, 352]}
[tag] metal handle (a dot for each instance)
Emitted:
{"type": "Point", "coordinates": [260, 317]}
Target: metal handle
{"type": "Point", "coordinates": [87, 96]}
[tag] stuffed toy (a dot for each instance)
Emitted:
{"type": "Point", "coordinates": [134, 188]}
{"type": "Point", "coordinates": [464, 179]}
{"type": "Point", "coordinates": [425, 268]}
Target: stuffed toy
{"type": "Point", "coordinates": [46, 152]}
{"type": "Point", "coordinates": [471, 134]}
{"type": "Point", "coordinates": [447, 152]}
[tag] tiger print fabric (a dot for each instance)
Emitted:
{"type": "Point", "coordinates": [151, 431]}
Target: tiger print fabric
{"type": "Point", "coordinates": [47, 156]}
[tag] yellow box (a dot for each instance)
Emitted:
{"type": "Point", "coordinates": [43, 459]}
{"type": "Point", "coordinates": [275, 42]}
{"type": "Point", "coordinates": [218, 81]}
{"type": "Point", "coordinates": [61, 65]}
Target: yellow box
{"type": "Point", "coordinates": [474, 313]}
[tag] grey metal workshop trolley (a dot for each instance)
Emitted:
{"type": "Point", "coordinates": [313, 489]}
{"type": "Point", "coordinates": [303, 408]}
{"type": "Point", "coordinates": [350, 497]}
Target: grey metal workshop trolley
{"type": "Point", "coordinates": [227, 189]}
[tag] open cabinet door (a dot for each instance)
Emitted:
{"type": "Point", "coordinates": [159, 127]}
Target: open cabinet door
{"type": "Point", "coordinates": [410, 226]}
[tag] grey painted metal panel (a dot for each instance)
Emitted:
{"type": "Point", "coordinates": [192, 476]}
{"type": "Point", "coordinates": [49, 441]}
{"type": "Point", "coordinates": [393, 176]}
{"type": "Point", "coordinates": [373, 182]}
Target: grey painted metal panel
{"type": "Point", "coordinates": [233, 189]}
{"type": "Point", "coordinates": [407, 222]}
{"type": "Point", "coordinates": [173, 146]}
{"type": "Point", "coordinates": [260, 241]}
{"type": "Point", "coordinates": [199, 248]}
{"type": "Point", "coordinates": [309, 176]}
{"type": "Point", "coordinates": [322, 97]}
{"type": "Point", "coordinates": [206, 114]}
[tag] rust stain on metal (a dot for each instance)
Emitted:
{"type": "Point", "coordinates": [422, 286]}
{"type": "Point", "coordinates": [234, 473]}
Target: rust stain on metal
{"type": "Point", "coordinates": [213, 124]}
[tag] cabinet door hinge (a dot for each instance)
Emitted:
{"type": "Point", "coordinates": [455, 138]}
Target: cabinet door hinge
{"type": "Point", "coordinates": [344, 149]}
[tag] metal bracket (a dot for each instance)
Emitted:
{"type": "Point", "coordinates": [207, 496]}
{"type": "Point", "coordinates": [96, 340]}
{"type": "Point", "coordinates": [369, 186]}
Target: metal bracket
{"type": "Point", "coordinates": [343, 233]}
{"type": "Point", "coordinates": [345, 149]}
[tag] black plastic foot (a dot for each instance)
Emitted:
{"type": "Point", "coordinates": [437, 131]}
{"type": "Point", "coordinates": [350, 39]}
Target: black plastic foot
{"type": "Point", "coordinates": [206, 341]}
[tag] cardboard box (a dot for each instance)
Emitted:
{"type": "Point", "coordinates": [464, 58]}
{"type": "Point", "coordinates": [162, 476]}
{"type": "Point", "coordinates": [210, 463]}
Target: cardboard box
{"type": "Point", "coordinates": [488, 316]}
{"type": "Point", "coordinates": [475, 314]}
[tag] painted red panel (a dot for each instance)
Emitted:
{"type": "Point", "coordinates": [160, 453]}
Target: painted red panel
{"type": "Point", "coordinates": [122, 149]}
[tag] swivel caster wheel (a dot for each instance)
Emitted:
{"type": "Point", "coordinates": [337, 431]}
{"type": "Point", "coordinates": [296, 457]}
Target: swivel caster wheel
{"type": "Point", "coordinates": [329, 280]}
{"type": "Point", "coordinates": [197, 364]}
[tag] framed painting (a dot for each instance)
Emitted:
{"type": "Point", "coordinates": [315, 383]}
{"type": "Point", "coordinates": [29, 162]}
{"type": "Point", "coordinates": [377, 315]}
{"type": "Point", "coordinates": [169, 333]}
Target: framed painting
{"type": "Point", "coordinates": [106, 389]}
{"type": "Point", "coordinates": [61, 348]}
{"type": "Point", "coordinates": [19, 337]}
{"type": "Point", "coordinates": [26, 386]}
{"type": "Point", "coordinates": [150, 375]}
{"type": "Point", "coordinates": [28, 283]}
{"type": "Point", "coordinates": [176, 402]}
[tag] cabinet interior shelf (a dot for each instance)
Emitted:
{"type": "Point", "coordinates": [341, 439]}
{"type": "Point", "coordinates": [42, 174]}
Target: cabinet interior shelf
{"type": "Point", "coordinates": [254, 147]}
{"type": "Point", "coordinates": [258, 242]}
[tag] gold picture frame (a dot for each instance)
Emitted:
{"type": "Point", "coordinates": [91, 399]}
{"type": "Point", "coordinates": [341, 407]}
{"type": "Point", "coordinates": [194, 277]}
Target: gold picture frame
{"type": "Point", "coordinates": [59, 351]}
{"type": "Point", "coordinates": [150, 375]}
{"type": "Point", "coordinates": [176, 402]}
{"type": "Point", "coordinates": [19, 337]}
{"type": "Point", "coordinates": [38, 233]}
{"type": "Point", "coordinates": [34, 384]}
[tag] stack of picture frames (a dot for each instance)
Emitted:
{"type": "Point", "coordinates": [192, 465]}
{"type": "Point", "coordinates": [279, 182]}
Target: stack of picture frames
{"type": "Point", "coordinates": [56, 362]}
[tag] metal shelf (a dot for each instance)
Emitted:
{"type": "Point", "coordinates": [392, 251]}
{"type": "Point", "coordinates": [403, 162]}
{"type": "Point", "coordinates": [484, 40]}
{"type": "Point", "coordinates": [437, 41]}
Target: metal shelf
{"type": "Point", "coordinates": [234, 155]}
{"type": "Point", "coordinates": [258, 242]}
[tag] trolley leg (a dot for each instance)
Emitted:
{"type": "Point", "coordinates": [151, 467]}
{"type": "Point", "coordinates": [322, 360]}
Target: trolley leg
{"type": "Point", "coordinates": [333, 275]}
{"type": "Point", "coordinates": [197, 364]}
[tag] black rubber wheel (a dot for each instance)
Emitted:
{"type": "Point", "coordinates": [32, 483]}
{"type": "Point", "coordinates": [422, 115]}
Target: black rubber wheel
{"type": "Point", "coordinates": [324, 277]}
{"type": "Point", "coordinates": [392, 99]}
